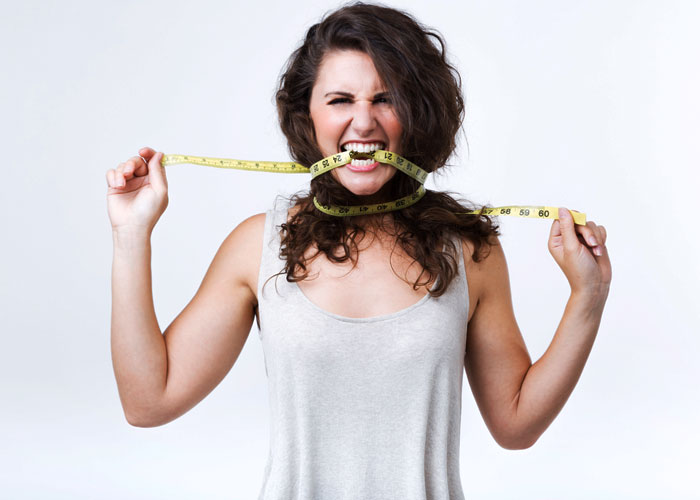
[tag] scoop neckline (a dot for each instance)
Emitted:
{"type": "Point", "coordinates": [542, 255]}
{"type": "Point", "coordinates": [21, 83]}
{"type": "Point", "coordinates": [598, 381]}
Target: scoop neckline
{"type": "Point", "coordinates": [370, 319]}
{"type": "Point", "coordinates": [284, 215]}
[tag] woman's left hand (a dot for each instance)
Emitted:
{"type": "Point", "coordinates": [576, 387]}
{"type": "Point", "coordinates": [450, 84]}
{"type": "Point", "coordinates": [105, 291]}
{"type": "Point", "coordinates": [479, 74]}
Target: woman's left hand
{"type": "Point", "coordinates": [581, 254]}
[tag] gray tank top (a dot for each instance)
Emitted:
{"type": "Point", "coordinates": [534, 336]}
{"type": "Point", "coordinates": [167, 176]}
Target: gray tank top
{"type": "Point", "coordinates": [360, 408]}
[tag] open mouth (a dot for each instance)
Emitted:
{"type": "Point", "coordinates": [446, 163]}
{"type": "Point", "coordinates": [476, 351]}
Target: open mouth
{"type": "Point", "coordinates": [361, 149]}
{"type": "Point", "coordinates": [362, 159]}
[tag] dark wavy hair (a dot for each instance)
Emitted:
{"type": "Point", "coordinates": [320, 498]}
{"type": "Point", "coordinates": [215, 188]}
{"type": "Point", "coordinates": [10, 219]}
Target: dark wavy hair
{"type": "Point", "coordinates": [427, 98]}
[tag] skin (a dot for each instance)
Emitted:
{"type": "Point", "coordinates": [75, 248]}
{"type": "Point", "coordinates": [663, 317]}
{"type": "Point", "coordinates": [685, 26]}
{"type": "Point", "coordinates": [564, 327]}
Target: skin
{"type": "Point", "coordinates": [349, 103]}
{"type": "Point", "coordinates": [162, 376]}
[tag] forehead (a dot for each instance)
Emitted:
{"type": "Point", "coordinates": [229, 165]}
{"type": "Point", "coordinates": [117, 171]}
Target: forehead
{"type": "Point", "coordinates": [349, 71]}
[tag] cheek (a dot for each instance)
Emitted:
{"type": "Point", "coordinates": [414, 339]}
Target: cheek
{"type": "Point", "coordinates": [327, 125]}
{"type": "Point", "coordinates": [396, 131]}
{"type": "Point", "coordinates": [393, 128]}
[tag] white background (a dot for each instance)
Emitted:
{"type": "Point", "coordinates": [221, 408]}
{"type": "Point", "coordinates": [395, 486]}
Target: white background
{"type": "Point", "coordinates": [591, 105]}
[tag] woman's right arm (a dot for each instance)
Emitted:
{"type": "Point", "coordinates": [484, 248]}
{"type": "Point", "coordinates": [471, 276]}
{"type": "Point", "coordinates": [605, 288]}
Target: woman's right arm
{"type": "Point", "coordinates": [139, 355]}
{"type": "Point", "coordinates": [160, 376]}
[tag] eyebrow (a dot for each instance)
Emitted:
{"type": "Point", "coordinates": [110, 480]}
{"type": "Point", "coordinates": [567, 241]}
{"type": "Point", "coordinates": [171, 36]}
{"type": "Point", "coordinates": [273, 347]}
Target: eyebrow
{"type": "Point", "coordinates": [348, 94]}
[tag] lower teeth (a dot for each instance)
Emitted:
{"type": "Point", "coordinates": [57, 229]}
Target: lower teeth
{"type": "Point", "coordinates": [361, 163]}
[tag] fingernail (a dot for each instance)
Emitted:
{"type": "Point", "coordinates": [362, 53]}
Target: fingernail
{"type": "Point", "coordinates": [592, 241]}
{"type": "Point", "coordinates": [598, 251]}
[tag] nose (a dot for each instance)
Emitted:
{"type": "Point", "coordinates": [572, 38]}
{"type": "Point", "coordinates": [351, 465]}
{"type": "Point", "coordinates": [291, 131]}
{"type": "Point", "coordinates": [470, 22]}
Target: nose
{"type": "Point", "coordinates": [364, 120]}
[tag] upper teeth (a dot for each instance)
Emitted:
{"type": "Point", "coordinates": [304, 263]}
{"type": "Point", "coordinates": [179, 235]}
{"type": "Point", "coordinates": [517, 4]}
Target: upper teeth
{"type": "Point", "coordinates": [363, 148]}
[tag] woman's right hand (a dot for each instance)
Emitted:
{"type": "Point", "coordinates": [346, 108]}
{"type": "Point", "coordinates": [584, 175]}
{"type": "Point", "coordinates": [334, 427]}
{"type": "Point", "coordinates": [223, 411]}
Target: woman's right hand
{"type": "Point", "coordinates": [138, 193]}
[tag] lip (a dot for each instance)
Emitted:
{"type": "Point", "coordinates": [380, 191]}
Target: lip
{"type": "Point", "coordinates": [368, 168]}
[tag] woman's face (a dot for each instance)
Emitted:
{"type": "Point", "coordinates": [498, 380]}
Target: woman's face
{"type": "Point", "coordinates": [350, 106]}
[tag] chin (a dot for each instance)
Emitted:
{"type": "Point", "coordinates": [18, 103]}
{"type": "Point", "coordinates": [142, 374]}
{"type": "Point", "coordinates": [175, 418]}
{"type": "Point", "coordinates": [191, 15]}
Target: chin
{"type": "Point", "coordinates": [362, 187]}
{"type": "Point", "coordinates": [364, 192]}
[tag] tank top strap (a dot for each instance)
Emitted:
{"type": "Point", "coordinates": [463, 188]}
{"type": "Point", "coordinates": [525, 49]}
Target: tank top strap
{"type": "Point", "coordinates": [461, 269]}
{"type": "Point", "coordinates": [270, 262]}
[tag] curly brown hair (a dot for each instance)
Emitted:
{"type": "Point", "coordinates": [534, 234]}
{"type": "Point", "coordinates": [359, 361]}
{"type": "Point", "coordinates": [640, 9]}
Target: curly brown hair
{"type": "Point", "coordinates": [427, 97]}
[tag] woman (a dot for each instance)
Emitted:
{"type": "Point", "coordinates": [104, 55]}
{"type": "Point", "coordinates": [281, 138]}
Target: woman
{"type": "Point", "coordinates": [366, 338]}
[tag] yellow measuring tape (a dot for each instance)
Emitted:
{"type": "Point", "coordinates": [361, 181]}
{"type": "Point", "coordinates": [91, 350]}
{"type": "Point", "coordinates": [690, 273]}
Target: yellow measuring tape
{"type": "Point", "coordinates": [329, 163]}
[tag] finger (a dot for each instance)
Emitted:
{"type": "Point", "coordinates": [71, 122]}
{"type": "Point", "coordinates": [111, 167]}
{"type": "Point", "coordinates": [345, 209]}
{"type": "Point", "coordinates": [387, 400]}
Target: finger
{"type": "Point", "coordinates": [592, 237]}
{"type": "Point", "coordinates": [113, 180]}
{"type": "Point", "coordinates": [138, 166]}
{"type": "Point", "coordinates": [147, 152]}
{"type": "Point", "coordinates": [555, 230]}
{"type": "Point", "coordinates": [599, 235]}
{"type": "Point", "coordinates": [119, 180]}
{"type": "Point", "coordinates": [156, 172]}
{"type": "Point", "coordinates": [129, 166]}
{"type": "Point", "coordinates": [599, 248]}
{"type": "Point", "coordinates": [554, 241]}
{"type": "Point", "coordinates": [589, 233]}
{"type": "Point", "coordinates": [568, 234]}
{"type": "Point", "coordinates": [118, 176]}
{"type": "Point", "coordinates": [126, 170]}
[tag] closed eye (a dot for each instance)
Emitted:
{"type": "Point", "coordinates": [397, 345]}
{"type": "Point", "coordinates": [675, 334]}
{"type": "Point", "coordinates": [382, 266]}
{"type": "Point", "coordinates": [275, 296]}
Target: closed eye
{"type": "Point", "coordinates": [346, 100]}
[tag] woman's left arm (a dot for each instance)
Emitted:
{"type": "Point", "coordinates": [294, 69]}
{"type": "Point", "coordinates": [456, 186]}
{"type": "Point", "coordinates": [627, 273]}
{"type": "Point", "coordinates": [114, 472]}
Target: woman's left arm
{"type": "Point", "coordinates": [581, 254]}
{"type": "Point", "coordinates": [519, 400]}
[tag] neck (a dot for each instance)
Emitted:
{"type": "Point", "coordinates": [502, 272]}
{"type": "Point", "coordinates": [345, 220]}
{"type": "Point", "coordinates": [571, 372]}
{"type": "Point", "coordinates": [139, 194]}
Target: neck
{"type": "Point", "coordinates": [383, 195]}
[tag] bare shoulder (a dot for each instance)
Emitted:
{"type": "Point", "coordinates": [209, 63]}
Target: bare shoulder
{"type": "Point", "coordinates": [241, 252]}
{"type": "Point", "coordinates": [490, 255]}
{"type": "Point", "coordinates": [485, 272]}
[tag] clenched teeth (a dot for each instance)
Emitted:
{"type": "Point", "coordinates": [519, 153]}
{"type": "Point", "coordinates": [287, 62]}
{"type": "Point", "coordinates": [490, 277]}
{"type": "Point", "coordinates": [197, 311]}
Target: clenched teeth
{"type": "Point", "coordinates": [361, 163]}
{"type": "Point", "coordinates": [363, 148]}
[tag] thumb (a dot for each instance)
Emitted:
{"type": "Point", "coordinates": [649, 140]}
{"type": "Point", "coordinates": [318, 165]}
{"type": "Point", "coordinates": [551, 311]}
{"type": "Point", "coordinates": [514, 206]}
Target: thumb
{"type": "Point", "coordinates": [555, 230]}
{"type": "Point", "coordinates": [568, 233]}
{"type": "Point", "coordinates": [156, 172]}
